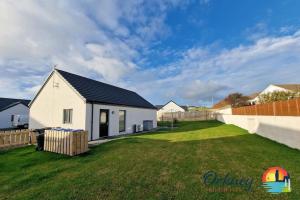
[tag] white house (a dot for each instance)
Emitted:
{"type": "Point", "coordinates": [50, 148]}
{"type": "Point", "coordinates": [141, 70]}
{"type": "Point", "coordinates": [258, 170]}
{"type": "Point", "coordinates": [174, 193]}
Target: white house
{"type": "Point", "coordinates": [171, 106]}
{"type": "Point", "coordinates": [10, 109]}
{"type": "Point", "coordinates": [71, 101]}
{"type": "Point", "coordinates": [277, 87]}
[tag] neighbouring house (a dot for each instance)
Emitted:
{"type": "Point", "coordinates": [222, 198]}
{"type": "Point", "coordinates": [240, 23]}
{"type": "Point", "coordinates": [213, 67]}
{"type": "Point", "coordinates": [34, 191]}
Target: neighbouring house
{"type": "Point", "coordinates": [253, 98]}
{"type": "Point", "coordinates": [71, 101]}
{"type": "Point", "coordinates": [222, 103]}
{"type": "Point", "coordinates": [13, 112]}
{"type": "Point", "coordinates": [222, 107]}
{"type": "Point", "coordinates": [225, 105]}
{"type": "Point", "coordinates": [171, 106]}
{"type": "Point", "coordinates": [276, 87]}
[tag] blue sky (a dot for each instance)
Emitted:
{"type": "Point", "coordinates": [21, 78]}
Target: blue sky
{"type": "Point", "coordinates": [189, 51]}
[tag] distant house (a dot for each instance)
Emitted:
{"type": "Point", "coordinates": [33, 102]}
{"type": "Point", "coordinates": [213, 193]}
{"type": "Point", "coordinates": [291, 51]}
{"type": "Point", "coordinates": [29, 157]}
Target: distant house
{"type": "Point", "coordinates": [222, 103]}
{"type": "Point", "coordinates": [71, 101]}
{"type": "Point", "coordinates": [225, 107]}
{"type": "Point", "coordinates": [222, 107]}
{"type": "Point", "coordinates": [171, 106]}
{"type": "Point", "coordinates": [276, 87]}
{"type": "Point", "coordinates": [13, 112]}
{"type": "Point", "coordinates": [253, 98]}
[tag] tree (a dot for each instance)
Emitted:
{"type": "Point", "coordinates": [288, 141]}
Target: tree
{"type": "Point", "coordinates": [276, 96]}
{"type": "Point", "coordinates": [237, 99]}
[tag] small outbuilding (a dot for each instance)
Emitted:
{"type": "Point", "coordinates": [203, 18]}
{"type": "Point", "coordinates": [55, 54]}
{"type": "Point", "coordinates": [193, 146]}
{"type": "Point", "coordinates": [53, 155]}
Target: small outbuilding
{"type": "Point", "coordinates": [68, 100]}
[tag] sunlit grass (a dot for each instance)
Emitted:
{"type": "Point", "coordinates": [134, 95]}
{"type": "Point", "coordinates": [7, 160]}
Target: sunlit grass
{"type": "Point", "coordinates": [188, 131]}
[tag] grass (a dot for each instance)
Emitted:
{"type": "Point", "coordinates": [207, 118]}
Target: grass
{"type": "Point", "coordinates": [162, 165]}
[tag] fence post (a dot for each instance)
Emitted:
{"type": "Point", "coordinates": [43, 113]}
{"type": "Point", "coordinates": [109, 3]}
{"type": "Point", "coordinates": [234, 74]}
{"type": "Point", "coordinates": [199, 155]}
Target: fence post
{"type": "Point", "coordinates": [297, 107]}
{"type": "Point", "coordinates": [274, 109]}
{"type": "Point", "coordinates": [288, 104]}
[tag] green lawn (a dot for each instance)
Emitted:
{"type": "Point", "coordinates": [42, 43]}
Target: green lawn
{"type": "Point", "coordinates": [162, 165]}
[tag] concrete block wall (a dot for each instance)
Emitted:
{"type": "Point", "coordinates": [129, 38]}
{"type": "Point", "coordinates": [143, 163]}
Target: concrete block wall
{"type": "Point", "coordinates": [283, 129]}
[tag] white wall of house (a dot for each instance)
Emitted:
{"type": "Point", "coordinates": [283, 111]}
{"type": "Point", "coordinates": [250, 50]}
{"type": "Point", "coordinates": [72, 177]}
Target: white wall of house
{"type": "Point", "coordinates": [269, 89]}
{"type": "Point", "coordinates": [254, 101]}
{"type": "Point", "coordinates": [169, 107]}
{"type": "Point", "coordinates": [273, 88]}
{"type": "Point", "coordinates": [57, 95]}
{"type": "Point", "coordinates": [47, 108]}
{"type": "Point", "coordinates": [133, 116]}
{"type": "Point", "coordinates": [5, 115]}
{"type": "Point", "coordinates": [283, 129]}
{"type": "Point", "coordinates": [225, 110]}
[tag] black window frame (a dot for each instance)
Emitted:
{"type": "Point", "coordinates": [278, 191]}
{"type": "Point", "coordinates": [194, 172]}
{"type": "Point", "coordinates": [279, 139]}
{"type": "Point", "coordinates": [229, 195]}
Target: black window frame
{"type": "Point", "coordinates": [122, 130]}
{"type": "Point", "coordinates": [70, 116]}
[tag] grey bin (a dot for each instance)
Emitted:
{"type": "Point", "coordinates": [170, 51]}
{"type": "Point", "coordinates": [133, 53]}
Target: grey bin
{"type": "Point", "coordinates": [40, 138]}
{"type": "Point", "coordinates": [147, 125]}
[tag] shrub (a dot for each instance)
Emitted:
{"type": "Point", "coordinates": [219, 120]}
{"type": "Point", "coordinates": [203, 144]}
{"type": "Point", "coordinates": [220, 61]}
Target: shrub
{"type": "Point", "coordinates": [276, 96]}
{"type": "Point", "coordinates": [237, 100]}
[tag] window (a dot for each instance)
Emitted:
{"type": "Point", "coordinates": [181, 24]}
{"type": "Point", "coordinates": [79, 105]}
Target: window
{"type": "Point", "coordinates": [68, 114]}
{"type": "Point", "coordinates": [122, 119]}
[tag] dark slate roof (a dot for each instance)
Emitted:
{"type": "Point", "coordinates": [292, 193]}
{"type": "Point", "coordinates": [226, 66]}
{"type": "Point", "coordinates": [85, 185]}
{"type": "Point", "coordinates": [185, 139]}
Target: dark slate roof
{"type": "Point", "coordinates": [6, 103]}
{"type": "Point", "coordinates": [159, 106]}
{"type": "Point", "coordinates": [186, 108]}
{"type": "Point", "coordinates": [292, 87]}
{"type": "Point", "coordinates": [98, 92]}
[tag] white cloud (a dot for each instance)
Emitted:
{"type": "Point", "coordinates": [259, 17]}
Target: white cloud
{"type": "Point", "coordinates": [256, 32]}
{"type": "Point", "coordinates": [108, 39]}
{"type": "Point", "coordinates": [103, 38]}
{"type": "Point", "coordinates": [201, 73]}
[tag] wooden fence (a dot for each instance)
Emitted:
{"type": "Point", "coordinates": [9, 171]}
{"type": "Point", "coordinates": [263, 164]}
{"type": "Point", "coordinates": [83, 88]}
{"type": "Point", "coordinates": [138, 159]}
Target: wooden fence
{"type": "Point", "coordinates": [15, 138]}
{"type": "Point", "coordinates": [63, 142]}
{"type": "Point", "coordinates": [188, 116]}
{"type": "Point", "coordinates": [279, 108]}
